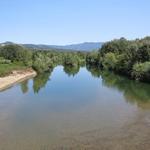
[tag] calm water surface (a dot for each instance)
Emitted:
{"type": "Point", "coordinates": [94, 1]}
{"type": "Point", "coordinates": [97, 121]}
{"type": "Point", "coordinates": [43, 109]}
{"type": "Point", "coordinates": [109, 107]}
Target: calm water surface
{"type": "Point", "coordinates": [64, 110]}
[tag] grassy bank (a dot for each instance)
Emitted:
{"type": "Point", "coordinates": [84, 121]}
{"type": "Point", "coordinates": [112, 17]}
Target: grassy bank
{"type": "Point", "coordinates": [6, 69]}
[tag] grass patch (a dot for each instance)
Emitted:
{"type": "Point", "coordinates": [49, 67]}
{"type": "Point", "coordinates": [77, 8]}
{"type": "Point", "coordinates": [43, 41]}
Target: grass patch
{"type": "Point", "coordinates": [6, 69]}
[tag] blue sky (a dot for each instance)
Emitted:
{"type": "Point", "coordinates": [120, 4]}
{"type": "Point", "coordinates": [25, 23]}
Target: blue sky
{"type": "Point", "coordinates": [73, 21]}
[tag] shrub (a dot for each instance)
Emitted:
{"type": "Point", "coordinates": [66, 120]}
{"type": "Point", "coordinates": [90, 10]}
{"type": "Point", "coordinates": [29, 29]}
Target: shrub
{"type": "Point", "coordinates": [141, 71]}
{"type": "Point", "coordinates": [92, 58]}
{"type": "Point", "coordinates": [110, 61]}
{"type": "Point", "coordinates": [17, 53]}
{"type": "Point", "coordinates": [4, 61]}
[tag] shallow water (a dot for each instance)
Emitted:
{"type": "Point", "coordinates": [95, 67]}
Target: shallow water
{"type": "Point", "coordinates": [64, 110]}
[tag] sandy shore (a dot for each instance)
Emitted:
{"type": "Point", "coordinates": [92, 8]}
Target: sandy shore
{"type": "Point", "coordinates": [15, 77]}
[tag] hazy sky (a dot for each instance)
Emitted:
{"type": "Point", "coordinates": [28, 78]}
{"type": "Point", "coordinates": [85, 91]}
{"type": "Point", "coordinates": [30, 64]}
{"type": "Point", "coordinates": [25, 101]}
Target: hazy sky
{"type": "Point", "coordinates": [72, 21]}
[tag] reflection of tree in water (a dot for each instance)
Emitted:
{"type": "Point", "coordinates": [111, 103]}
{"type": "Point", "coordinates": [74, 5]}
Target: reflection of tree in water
{"type": "Point", "coordinates": [95, 71]}
{"type": "Point", "coordinates": [71, 70]}
{"type": "Point", "coordinates": [40, 80]}
{"type": "Point", "coordinates": [134, 92]}
{"type": "Point", "coordinates": [24, 86]}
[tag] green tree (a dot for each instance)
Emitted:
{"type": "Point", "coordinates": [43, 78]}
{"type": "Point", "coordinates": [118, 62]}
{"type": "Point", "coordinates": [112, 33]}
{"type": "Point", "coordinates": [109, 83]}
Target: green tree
{"type": "Point", "coordinates": [109, 61]}
{"type": "Point", "coordinates": [141, 71]}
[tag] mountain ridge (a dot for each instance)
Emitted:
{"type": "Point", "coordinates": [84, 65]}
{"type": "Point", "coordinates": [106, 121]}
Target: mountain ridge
{"type": "Point", "coordinates": [86, 46]}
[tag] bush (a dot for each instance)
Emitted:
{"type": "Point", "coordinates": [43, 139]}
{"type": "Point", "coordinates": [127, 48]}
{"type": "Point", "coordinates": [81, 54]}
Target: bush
{"type": "Point", "coordinates": [71, 60]}
{"type": "Point", "coordinates": [4, 61]}
{"type": "Point", "coordinates": [143, 54]}
{"type": "Point", "coordinates": [92, 58]}
{"type": "Point", "coordinates": [109, 61]}
{"type": "Point", "coordinates": [141, 71]}
{"type": "Point", "coordinates": [17, 53]}
{"type": "Point", "coordinates": [41, 62]}
{"type": "Point", "coordinates": [115, 46]}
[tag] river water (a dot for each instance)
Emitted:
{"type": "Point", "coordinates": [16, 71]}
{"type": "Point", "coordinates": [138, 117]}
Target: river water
{"type": "Point", "coordinates": [75, 109]}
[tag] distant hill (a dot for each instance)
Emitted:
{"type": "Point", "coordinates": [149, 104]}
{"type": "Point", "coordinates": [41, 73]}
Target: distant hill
{"type": "Point", "coordinates": [87, 46]}
{"type": "Point", "coordinates": [6, 43]}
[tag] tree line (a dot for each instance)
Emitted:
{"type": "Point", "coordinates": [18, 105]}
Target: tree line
{"type": "Point", "coordinates": [126, 57]}
{"type": "Point", "coordinates": [130, 58]}
{"type": "Point", "coordinates": [40, 60]}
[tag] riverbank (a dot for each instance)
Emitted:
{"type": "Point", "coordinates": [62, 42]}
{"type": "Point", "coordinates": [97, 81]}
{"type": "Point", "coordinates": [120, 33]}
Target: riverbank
{"type": "Point", "coordinates": [15, 77]}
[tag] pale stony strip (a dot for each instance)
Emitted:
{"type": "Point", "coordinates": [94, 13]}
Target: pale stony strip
{"type": "Point", "coordinates": [15, 77]}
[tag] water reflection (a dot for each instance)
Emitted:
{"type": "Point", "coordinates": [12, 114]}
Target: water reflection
{"type": "Point", "coordinates": [95, 72]}
{"type": "Point", "coordinates": [90, 105]}
{"type": "Point", "coordinates": [40, 81]}
{"type": "Point", "coordinates": [24, 87]}
{"type": "Point", "coordinates": [134, 92]}
{"type": "Point", "coordinates": [71, 70]}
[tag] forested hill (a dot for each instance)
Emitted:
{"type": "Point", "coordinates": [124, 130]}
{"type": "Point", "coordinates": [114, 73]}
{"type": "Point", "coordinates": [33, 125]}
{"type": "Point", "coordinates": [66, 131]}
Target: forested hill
{"type": "Point", "coordinates": [87, 46]}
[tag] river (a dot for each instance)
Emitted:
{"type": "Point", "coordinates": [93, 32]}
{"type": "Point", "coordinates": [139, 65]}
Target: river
{"type": "Point", "coordinates": [75, 109]}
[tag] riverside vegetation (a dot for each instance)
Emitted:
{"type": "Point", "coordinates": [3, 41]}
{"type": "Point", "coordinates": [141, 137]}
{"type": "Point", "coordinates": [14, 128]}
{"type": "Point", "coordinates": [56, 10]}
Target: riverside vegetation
{"type": "Point", "coordinates": [130, 58]}
{"type": "Point", "coordinates": [14, 57]}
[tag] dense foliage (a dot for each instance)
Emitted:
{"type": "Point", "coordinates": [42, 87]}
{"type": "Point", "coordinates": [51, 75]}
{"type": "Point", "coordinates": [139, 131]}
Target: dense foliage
{"type": "Point", "coordinates": [131, 58]}
{"type": "Point", "coordinates": [40, 61]}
